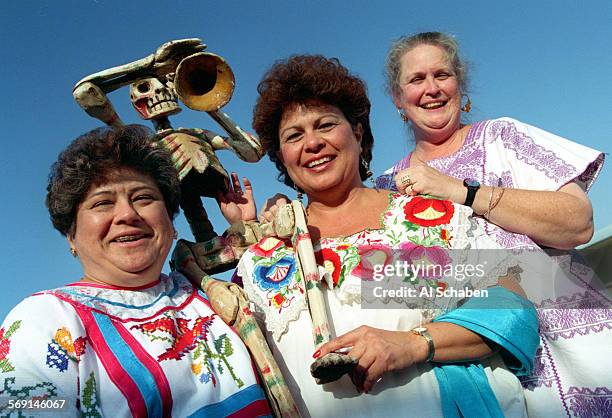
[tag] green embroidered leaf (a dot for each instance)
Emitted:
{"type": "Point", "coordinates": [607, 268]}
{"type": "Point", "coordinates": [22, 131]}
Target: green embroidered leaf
{"type": "Point", "coordinates": [90, 399]}
{"type": "Point", "coordinates": [415, 240]}
{"type": "Point", "coordinates": [426, 241]}
{"type": "Point", "coordinates": [14, 326]}
{"type": "Point", "coordinates": [410, 226]}
{"type": "Point", "coordinates": [219, 343]}
{"type": "Point", "coordinates": [223, 346]}
{"type": "Point", "coordinates": [318, 339]}
{"type": "Point", "coordinates": [197, 352]}
{"type": "Point", "coordinates": [5, 366]}
{"type": "Point", "coordinates": [160, 338]}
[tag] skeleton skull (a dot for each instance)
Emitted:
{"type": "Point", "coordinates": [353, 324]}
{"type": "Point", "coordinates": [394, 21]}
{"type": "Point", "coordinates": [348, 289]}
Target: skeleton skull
{"type": "Point", "coordinates": [153, 99]}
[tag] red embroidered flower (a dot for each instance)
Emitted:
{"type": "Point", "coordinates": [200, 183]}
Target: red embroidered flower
{"type": "Point", "coordinates": [429, 212]}
{"type": "Point", "coordinates": [331, 261]}
{"type": "Point", "coordinates": [5, 345]}
{"type": "Point", "coordinates": [278, 300]}
{"type": "Point", "coordinates": [266, 247]}
{"type": "Point", "coordinates": [371, 256]}
{"type": "Point", "coordinates": [79, 346]}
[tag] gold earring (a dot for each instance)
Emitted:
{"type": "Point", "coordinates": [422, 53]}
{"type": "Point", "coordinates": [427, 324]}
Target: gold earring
{"type": "Point", "coordinates": [468, 104]}
{"type": "Point", "coordinates": [402, 115]}
{"type": "Point", "coordinates": [73, 252]}
{"type": "Point", "coordinates": [366, 167]}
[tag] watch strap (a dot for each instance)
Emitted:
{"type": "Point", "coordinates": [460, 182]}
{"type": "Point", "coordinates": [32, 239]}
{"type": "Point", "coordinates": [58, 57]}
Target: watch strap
{"type": "Point", "coordinates": [422, 331]}
{"type": "Point", "coordinates": [471, 193]}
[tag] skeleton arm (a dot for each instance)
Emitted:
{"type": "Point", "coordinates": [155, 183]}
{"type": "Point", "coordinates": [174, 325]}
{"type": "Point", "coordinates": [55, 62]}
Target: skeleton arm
{"type": "Point", "coordinates": [230, 302]}
{"type": "Point", "coordinates": [246, 146]}
{"type": "Point", "coordinates": [90, 92]}
{"type": "Point", "coordinates": [93, 101]}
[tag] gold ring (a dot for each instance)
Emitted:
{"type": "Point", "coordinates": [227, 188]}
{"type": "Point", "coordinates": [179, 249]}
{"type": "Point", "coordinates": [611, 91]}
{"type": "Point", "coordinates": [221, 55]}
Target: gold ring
{"type": "Point", "coordinates": [405, 180]}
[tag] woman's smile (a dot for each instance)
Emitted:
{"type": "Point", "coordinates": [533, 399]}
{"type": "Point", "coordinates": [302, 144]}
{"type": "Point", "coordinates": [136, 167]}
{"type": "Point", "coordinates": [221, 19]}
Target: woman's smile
{"type": "Point", "coordinates": [123, 231]}
{"type": "Point", "coordinates": [319, 147]}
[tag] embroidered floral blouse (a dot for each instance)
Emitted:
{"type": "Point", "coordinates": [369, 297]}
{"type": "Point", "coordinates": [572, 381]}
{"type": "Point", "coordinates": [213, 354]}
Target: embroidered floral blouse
{"type": "Point", "coordinates": [415, 230]}
{"type": "Point", "coordinates": [158, 350]}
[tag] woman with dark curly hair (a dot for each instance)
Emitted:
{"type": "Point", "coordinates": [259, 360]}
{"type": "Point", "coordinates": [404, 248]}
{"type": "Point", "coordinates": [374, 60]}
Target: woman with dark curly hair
{"type": "Point", "coordinates": [124, 340]}
{"type": "Point", "coordinates": [313, 118]}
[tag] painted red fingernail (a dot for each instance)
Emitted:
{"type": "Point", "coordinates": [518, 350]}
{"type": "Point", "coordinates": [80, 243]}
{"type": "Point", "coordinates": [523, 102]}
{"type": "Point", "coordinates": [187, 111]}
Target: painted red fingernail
{"type": "Point", "coordinates": [316, 354]}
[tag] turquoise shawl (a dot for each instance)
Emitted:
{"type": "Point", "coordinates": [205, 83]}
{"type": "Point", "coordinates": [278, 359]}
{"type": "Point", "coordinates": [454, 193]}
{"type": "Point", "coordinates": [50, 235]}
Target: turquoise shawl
{"type": "Point", "coordinates": [504, 318]}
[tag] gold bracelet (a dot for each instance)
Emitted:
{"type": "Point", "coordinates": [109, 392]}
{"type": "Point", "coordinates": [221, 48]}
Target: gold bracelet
{"type": "Point", "coordinates": [499, 196]}
{"type": "Point", "coordinates": [488, 212]}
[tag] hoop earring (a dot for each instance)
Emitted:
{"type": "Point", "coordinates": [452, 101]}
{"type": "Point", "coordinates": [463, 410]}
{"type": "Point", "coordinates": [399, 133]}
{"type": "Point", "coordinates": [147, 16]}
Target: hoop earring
{"type": "Point", "coordinates": [402, 115]}
{"type": "Point", "coordinates": [468, 104]}
{"type": "Point", "coordinates": [73, 251]}
{"type": "Point", "coordinates": [366, 166]}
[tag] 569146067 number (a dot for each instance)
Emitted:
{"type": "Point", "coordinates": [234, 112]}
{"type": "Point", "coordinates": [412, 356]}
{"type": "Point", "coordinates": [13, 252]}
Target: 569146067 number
{"type": "Point", "coordinates": [36, 403]}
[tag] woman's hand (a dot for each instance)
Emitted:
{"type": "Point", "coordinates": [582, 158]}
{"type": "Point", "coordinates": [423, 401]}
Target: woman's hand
{"type": "Point", "coordinates": [378, 351]}
{"type": "Point", "coordinates": [560, 219]}
{"type": "Point", "coordinates": [238, 205]}
{"type": "Point", "coordinates": [422, 179]}
{"type": "Point", "coordinates": [271, 207]}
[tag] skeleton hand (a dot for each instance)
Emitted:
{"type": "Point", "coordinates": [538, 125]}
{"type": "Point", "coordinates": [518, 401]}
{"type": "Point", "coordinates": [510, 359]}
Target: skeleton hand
{"type": "Point", "coordinates": [184, 260]}
{"type": "Point", "coordinates": [93, 100]}
{"type": "Point", "coordinates": [169, 55]}
{"type": "Point", "coordinates": [272, 206]}
{"type": "Point", "coordinates": [225, 297]}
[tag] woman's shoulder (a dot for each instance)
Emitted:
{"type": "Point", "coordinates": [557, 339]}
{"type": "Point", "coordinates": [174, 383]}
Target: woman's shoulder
{"type": "Point", "coordinates": [39, 304]}
{"type": "Point", "coordinates": [41, 315]}
{"type": "Point", "coordinates": [85, 299]}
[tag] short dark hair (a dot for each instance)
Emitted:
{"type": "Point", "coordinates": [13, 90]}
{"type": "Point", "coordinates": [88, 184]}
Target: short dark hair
{"type": "Point", "coordinates": [301, 79]}
{"type": "Point", "coordinates": [92, 158]}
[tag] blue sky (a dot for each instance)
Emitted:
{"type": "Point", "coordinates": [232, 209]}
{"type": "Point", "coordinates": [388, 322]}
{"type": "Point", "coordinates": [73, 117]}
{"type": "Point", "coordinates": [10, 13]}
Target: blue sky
{"type": "Point", "coordinates": [546, 63]}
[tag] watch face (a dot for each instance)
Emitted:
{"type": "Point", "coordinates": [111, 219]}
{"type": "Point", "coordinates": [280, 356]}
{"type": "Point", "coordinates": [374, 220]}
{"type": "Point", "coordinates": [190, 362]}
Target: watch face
{"type": "Point", "coordinates": [471, 183]}
{"type": "Point", "coordinates": [419, 330]}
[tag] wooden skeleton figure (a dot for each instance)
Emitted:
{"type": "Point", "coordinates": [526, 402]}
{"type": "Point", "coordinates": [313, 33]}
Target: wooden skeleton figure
{"type": "Point", "coordinates": [193, 151]}
{"type": "Point", "coordinates": [233, 306]}
{"type": "Point", "coordinates": [154, 98]}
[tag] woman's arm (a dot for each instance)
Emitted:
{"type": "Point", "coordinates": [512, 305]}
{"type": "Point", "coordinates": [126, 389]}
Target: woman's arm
{"type": "Point", "coordinates": [380, 351]}
{"type": "Point", "coordinates": [560, 219]}
{"type": "Point", "coordinates": [40, 351]}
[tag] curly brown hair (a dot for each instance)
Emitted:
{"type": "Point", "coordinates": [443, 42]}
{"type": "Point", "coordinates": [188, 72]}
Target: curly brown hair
{"type": "Point", "coordinates": [300, 79]}
{"type": "Point", "coordinates": [93, 157]}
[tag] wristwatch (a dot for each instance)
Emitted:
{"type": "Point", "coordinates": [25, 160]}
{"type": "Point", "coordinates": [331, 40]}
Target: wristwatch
{"type": "Point", "coordinates": [422, 331]}
{"type": "Point", "coordinates": [472, 187]}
